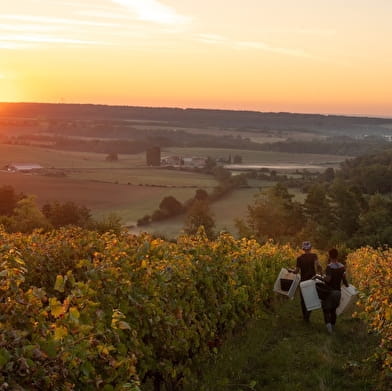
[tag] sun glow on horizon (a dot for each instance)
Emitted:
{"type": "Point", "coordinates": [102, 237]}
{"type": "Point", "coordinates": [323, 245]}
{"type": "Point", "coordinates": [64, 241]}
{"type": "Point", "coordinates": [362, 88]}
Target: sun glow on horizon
{"type": "Point", "coordinates": [306, 57]}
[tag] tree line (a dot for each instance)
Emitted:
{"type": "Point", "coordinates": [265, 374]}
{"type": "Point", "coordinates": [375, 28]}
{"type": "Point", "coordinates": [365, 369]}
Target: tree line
{"type": "Point", "coordinates": [21, 213]}
{"type": "Point", "coordinates": [352, 207]}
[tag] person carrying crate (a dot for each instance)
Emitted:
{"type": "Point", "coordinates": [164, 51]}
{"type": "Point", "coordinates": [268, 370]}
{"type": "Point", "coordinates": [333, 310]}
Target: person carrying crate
{"type": "Point", "coordinates": [335, 274]}
{"type": "Point", "coordinates": [307, 264]}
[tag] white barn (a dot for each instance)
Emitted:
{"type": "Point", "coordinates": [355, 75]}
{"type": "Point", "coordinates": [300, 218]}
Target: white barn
{"type": "Point", "coordinates": [23, 167]}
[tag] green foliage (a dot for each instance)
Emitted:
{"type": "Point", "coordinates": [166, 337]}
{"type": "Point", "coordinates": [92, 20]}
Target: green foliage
{"type": "Point", "coordinates": [221, 174]}
{"type": "Point", "coordinates": [278, 351]}
{"type": "Point", "coordinates": [375, 222]}
{"type": "Point", "coordinates": [109, 223]}
{"type": "Point", "coordinates": [8, 200]}
{"type": "Point", "coordinates": [346, 209]}
{"type": "Point", "coordinates": [200, 215]}
{"type": "Point", "coordinates": [145, 220]}
{"type": "Point", "coordinates": [67, 213]}
{"type": "Point", "coordinates": [171, 206]}
{"type": "Point", "coordinates": [201, 195]}
{"type": "Point", "coordinates": [168, 207]}
{"type": "Point", "coordinates": [371, 173]}
{"type": "Point", "coordinates": [273, 215]}
{"type": "Point", "coordinates": [372, 274]}
{"type": "Point", "coordinates": [81, 310]}
{"type": "Point", "coordinates": [26, 217]}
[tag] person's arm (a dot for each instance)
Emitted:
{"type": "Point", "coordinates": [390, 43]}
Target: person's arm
{"type": "Point", "coordinates": [297, 267]}
{"type": "Point", "coordinates": [318, 266]}
{"type": "Point", "coordinates": [344, 278]}
{"type": "Point", "coordinates": [328, 275]}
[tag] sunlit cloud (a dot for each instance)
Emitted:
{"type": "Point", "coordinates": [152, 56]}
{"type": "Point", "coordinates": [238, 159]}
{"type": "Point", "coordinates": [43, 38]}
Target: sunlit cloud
{"type": "Point", "coordinates": [12, 46]}
{"type": "Point", "coordinates": [215, 39]}
{"type": "Point", "coordinates": [153, 11]}
{"type": "Point", "coordinates": [28, 27]}
{"type": "Point", "coordinates": [211, 38]}
{"type": "Point", "coordinates": [49, 20]}
{"type": "Point", "coordinates": [302, 31]}
{"type": "Point", "coordinates": [46, 39]}
{"type": "Point", "coordinates": [288, 52]}
{"type": "Point", "coordinates": [268, 48]}
{"type": "Point", "coordinates": [104, 14]}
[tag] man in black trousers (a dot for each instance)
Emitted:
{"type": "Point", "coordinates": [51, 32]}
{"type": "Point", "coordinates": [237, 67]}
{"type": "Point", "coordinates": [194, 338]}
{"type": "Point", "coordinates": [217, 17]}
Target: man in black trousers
{"type": "Point", "coordinates": [307, 264]}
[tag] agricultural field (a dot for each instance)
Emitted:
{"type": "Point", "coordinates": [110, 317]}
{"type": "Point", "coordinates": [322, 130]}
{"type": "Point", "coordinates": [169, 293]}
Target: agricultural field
{"type": "Point", "coordinates": [130, 202]}
{"type": "Point", "coordinates": [50, 158]}
{"type": "Point", "coordinates": [256, 135]}
{"type": "Point", "coordinates": [130, 189]}
{"type": "Point", "coordinates": [147, 176]}
{"type": "Point", "coordinates": [261, 157]}
{"type": "Point", "coordinates": [225, 211]}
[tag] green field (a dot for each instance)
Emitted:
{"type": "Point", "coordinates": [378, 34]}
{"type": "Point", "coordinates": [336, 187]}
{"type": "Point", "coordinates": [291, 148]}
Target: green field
{"type": "Point", "coordinates": [126, 187]}
{"type": "Point", "coordinates": [147, 176]}
{"type": "Point", "coordinates": [49, 158]}
{"type": "Point", "coordinates": [260, 157]}
{"type": "Point", "coordinates": [256, 135]}
{"type": "Point", "coordinates": [279, 352]}
{"type": "Point", "coordinates": [130, 202]}
{"type": "Point", "coordinates": [225, 212]}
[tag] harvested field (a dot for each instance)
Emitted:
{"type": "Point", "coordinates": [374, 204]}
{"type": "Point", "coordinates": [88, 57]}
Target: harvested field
{"type": "Point", "coordinates": [260, 157]}
{"type": "Point", "coordinates": [130, 201]}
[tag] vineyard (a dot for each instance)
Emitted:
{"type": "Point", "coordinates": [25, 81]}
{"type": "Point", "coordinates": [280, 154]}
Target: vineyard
{"type": "Point", "coordinates": [84, 311]}
{"type": "Point", "coordinates": [372, 273]}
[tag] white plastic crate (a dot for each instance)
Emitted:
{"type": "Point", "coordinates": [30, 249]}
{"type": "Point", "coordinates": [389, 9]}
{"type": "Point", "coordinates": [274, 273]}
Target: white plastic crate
{"type": "Point", "coordinates": [286, 275]}
{"type": "Point", "coordinates": [348, 298]}
{"type": "Point", "coordinates": [309, 293]}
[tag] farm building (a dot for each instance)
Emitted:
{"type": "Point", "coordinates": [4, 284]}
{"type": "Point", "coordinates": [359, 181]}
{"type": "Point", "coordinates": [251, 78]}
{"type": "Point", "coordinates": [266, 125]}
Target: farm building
{"type": "Point", "coordinates": [172, 161]}
{"type": "Point", "coordinates": [191, 162]}
{"type": "Point", "coordinates": [195, 161]}
{"type": "Point", "coordinates": [23, 167]}
{"type": "Point", "coordinates": [153, 156]}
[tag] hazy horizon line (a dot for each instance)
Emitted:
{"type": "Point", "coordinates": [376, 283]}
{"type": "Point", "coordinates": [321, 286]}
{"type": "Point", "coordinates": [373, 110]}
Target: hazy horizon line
{"type": "Point", "coordinates": [381, 116]}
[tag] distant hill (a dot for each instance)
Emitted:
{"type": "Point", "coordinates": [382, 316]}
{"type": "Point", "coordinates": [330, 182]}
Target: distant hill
{"type": "Point", "coordinates": [239, 120]}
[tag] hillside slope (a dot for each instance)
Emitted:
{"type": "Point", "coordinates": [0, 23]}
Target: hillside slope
{"type": "Point", "coordinates": [281, 352]}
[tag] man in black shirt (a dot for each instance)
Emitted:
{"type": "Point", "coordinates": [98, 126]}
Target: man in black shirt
{"type": "Point", "coordinates": [307, 264]}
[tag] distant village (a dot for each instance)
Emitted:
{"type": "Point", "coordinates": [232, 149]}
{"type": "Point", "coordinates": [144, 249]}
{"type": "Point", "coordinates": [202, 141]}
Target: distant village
{"type": "Point", "coordinates": [153, 159]}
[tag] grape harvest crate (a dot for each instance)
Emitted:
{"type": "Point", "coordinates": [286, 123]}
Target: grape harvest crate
{"type": "Point", "coordinates": [286, 283]}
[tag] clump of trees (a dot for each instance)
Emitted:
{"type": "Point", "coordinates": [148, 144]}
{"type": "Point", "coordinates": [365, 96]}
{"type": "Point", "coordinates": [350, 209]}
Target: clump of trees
{"type": "Point", "coordinates": [8, 200]}
{"type": "Point", "coordinates": [274, 214]}
{"type": "Point", "coordinates": [199, 215]}
{"type": "Point", "coordinates": [21, 213]}
{"type": "Point", "coordinates": [171, 207]}
{"type": "Point", "coordinates": [68, 213]}
{"type": "Point", "coordinates": [338, 213]}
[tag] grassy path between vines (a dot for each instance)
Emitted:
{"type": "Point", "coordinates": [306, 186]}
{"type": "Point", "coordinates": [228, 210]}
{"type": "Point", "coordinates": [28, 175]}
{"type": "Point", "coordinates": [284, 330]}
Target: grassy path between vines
{"type": "Point", "coordinates": [280, 352]}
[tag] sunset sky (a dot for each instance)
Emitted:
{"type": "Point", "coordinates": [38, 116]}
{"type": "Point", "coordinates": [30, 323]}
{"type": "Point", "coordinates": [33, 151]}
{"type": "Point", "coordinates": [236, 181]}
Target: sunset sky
{"type": "Point", "coordinates": [302, 56]}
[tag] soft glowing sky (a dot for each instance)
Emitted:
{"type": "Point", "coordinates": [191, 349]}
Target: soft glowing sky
{"type": "Point", "coordinates": [324, 56]}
